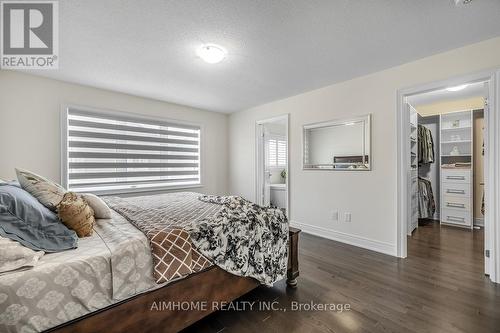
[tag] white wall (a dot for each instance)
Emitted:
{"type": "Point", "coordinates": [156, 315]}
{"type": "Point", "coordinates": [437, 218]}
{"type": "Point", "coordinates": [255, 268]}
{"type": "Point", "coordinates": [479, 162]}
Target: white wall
{"type": "Point", "coordinates": [369, 196]}
{"type": "Point", "coordinates": [30, 108]}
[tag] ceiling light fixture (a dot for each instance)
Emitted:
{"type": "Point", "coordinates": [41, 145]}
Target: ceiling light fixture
{"type": "Point", "coordinates": [462, 2]}
{"type": "Point", "coordinates": [211, 53]}
{"type": "Point", "coordinates": [457, 88]}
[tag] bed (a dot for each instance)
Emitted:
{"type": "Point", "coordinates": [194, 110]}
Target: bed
{"type": "Point", "coordinates": [109, 283]}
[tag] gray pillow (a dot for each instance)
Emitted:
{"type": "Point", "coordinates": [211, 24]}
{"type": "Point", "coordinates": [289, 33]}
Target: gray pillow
{"type": "Point", "coordinates": [24, 219]}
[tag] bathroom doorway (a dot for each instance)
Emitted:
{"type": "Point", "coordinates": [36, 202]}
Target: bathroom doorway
{"type": "Point", "coordinates": [272, 181]}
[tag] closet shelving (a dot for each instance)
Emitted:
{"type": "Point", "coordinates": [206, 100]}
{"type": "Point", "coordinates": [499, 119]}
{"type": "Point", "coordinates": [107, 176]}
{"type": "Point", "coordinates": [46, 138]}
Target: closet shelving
{"type": "Point", "coordinates": [456, 137]}
{"type": "Point", "coordinates": [413, 197]}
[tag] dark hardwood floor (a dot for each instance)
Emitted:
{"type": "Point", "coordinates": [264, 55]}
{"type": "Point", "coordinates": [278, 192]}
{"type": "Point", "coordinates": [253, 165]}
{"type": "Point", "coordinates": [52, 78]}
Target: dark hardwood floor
{"type": "Point", "coordinates": [440, 287]}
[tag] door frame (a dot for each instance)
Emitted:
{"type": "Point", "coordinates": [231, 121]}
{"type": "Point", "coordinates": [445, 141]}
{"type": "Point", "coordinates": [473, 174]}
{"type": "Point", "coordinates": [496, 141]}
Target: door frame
{"type": "Point", "coordinates": [491, 162]}
{"type": "Point", "coordinates": [259, 158]}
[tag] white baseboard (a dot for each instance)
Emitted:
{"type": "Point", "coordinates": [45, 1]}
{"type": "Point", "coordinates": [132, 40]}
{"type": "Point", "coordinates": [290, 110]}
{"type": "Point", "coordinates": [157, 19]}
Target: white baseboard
{"type": "Point", "coordinates": [342, 237]}
{"type": "Point", "coordinates": [479, 221]}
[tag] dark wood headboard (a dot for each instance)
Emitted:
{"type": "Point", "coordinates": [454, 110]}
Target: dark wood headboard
{"type": "Point", "coordinates": [350, 159]}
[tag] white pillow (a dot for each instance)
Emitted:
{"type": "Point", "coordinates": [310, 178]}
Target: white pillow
{"type": "Point", "coordinates": [101, 210]}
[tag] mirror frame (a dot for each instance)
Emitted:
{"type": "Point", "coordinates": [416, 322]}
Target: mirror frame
{"type": "Point", "coordinates": [367, 133]}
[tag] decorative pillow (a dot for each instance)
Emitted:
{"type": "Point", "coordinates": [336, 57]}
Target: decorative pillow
{"type": "Point", "coordinates": [101, 210]}
{"type": "Point", "coordinates": [47, 192]}
{"type": "Point", "coordinates": [76, 214]}
{"type": "Point", "coordinates": [26, 220]}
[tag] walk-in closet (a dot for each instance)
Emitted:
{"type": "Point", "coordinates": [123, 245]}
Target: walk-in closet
{"type": "Point", "coordinates": [446, 158]}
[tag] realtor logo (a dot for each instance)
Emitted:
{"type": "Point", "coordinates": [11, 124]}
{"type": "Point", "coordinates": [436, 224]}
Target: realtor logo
{"type": "Point", "coordinates": [29, 35]}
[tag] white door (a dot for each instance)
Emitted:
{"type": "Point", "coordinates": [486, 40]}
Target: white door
{"type": "Point", "coordinates": [487, 240]}
{"type": "Point", "coordinates": [412, 196]}
{"type": "Point", "coordinates": [267, 171]}
{"type": "Point", "coordinates": [260, 165]}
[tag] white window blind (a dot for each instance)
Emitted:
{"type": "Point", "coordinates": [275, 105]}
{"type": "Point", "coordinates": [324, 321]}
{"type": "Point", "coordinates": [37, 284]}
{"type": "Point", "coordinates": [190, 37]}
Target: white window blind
{"type": "Point", "coordinates": [118, 153]}
{"type": "Point", "coordinates": [276, 152]}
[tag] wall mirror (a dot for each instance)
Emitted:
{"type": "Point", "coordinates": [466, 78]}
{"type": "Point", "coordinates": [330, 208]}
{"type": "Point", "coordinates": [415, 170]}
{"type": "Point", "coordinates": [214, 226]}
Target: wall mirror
{"type": "Point", "coordinates": [342, 144]}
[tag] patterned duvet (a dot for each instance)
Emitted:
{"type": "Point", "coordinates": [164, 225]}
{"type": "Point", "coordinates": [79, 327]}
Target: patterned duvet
{"type": "Point", "coordinates": [113, 264]}
{"type": "Point", "coordinates": [120, 260]}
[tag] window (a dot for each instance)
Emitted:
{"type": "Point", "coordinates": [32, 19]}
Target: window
{"type": "Point", "coordinates": [110, 152]}
{"type": "Point", "coordinates": [276, 152]}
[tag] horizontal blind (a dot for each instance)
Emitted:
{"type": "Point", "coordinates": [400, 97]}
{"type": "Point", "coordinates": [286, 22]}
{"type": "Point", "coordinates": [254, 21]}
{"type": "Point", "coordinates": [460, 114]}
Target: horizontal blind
{"type": "Point", "coordinates": [271, 161]}
{"type": "Point", "coordinates": [281, 154]}
{"type": "Point", "coordinates": [276, 153]}
{"type": "Point", "coordinates": [109, 152]}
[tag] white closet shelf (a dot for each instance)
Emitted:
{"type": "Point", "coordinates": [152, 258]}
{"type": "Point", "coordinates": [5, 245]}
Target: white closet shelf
{"type": "Point", "coordinates": [456, 183]}
{"type": "Point", "coordinates": [456, 128]}
{"type": "Point", "coordinates": [456, 141]}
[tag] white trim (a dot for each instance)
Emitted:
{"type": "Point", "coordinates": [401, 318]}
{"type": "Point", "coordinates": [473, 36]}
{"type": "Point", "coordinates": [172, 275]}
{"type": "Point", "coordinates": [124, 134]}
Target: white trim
{"type": "Point", "coordinates": [64, 148]}
{"type": "Point", "coordinates": [258, 166]}
{"type": "Point", "coordinates": [365, 243]}
{"type": "Point", "coordinates": [479, 221]}
{"type": "Point", "coordinates": [492, 160]}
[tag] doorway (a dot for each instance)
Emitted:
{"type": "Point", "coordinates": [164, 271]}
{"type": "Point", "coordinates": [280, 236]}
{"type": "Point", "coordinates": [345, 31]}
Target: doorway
{"type": "Point", "coordinates": [272, 181]}
{"type": "Point", "coordinates": [449, 167]}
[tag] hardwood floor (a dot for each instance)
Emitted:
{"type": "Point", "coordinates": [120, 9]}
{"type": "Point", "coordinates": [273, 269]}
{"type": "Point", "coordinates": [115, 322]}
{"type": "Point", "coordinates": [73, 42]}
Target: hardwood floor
{"type": "Point", "coordinates": [440, 287]}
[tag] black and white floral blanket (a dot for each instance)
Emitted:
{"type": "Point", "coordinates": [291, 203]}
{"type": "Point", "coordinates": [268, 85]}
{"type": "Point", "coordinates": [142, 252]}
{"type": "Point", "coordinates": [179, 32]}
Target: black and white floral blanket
{"type": "Point", "coordinates": [244, 239]}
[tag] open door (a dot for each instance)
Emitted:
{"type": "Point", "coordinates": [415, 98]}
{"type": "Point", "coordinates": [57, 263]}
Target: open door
{"type": "Point", "coordinates": [412, 147]}
{"type": "Point", "coordinates": [272, 163]}
{"type": "Point", "coordinates": [487, 227]}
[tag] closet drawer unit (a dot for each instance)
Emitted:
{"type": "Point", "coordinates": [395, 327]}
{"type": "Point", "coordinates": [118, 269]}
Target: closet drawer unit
{"type": "Point", "coordinates": [458, 203]}
{"type": "Point", "coordinates": [456, 176]}
{"type": "Point", "coordinates": [453, 216]}
{"type": "Point", "coordinates": [456, 189]}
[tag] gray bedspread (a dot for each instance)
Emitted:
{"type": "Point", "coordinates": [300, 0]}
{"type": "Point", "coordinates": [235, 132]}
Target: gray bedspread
{"type": "Point", "coordinates": [113, 264]}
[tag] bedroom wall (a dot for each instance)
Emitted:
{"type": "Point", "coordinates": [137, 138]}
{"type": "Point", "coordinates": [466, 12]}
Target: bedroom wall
{"type": "Point", "coordinates": [369, 196]}
{"type": "Point", "coordinates": [30, 108]}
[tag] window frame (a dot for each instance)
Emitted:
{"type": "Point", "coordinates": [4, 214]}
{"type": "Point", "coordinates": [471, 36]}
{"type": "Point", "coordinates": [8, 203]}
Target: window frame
{"type": "Point", "coordinates": [64, 149]}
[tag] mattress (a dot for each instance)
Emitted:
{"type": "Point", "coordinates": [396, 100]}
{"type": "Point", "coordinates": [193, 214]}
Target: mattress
{"type": "Point", "coordinates": [112, 265]}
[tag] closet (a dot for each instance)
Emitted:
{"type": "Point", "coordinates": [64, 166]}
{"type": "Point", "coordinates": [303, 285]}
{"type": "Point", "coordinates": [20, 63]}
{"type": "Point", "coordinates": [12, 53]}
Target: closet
{"type": "Point", "coordinates": [441, 176]}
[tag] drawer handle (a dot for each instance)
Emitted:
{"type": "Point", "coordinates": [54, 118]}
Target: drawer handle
{"type": "Point", "coordinates": [455, 191]}
{"type": "Point", "coordinates": [456, 177]}
{"type": "Point", "coordinates": [455, 219]}
{"type": "Point", "coordinates": [455, 205]}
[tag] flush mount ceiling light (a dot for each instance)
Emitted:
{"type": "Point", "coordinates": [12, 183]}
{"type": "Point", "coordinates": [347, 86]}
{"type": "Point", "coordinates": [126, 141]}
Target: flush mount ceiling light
{"type": "Point", "coordinates": [462, 2]}
{"type": "Point", "coordinates": [457, 88]}
{"type": "Point", "coordinates": [211, 53]}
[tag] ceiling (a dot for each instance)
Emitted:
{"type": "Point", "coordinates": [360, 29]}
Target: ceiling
{"type": "Point", "coordinates": [275, 48]}
{"type": "Point", "coordinates": [472, 90]}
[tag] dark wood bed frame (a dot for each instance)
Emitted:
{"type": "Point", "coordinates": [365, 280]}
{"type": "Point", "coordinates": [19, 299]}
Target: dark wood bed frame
{"type": "Point", "coordinates": [144, 312]}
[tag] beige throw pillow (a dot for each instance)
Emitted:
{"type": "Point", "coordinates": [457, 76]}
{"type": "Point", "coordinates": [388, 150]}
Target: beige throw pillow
{"type": "Point", "coordinates": [47, 192]}
{"type": "Point", "coordinates": [101, 210]}
{"type": "Point", "coordinates": [76, 214]}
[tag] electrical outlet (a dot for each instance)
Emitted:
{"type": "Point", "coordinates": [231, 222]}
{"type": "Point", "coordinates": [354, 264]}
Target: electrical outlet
{"type": "Point", "coordinates": [347, 217]}
{"type": "Point", "coordinates": [335, 215]}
